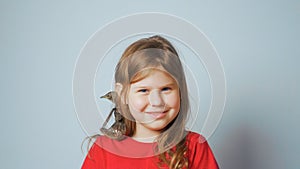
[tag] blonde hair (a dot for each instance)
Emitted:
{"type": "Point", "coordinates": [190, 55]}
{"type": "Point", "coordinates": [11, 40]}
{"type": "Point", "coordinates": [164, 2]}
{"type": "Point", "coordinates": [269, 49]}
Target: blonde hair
{"type": "Point", "coordinates": [154, 52]}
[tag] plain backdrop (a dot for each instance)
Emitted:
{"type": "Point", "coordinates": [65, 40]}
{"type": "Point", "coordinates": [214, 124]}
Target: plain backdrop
{"type": "Point", "coordinates": [258, 43]}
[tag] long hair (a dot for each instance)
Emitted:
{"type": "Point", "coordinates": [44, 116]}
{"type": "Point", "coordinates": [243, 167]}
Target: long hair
{"type": "Point", "coordinates": [153, 52]}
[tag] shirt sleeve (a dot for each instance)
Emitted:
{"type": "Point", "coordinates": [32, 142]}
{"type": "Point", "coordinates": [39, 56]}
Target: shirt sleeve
{"type": "Point", "coordinates": [201, 155]}
{"type": "Point", "coordinates": [92, 158]}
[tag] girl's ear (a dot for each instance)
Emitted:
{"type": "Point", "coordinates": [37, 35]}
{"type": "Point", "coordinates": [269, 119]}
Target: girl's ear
{"type": "Point", "coordinates": [118, 88]}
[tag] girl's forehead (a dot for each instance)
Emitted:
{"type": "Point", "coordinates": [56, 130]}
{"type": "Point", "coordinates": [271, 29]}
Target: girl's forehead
{"type": "Point", "coordinates": [154, 76]}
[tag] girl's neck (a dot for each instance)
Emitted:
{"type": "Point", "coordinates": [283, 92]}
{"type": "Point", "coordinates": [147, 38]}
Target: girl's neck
{"type": "Point", "coordinates": [145, 139]}
{"type": "Point", "coordinates": [143, 134]}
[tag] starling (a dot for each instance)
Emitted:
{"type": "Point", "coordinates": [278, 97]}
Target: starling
{"type": "Point", "coordinates": [118, 128]}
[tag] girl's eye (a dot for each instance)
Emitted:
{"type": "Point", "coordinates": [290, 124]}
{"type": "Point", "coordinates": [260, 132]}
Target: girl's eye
{"type": "Point", "coordinates": [165, 89]}
{"type": "Point", "coordinates": [142, 90]}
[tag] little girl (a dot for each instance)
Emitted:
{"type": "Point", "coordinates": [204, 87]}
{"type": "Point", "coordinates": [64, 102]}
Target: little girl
{"type": "Point", "coordinates": [152, 107]}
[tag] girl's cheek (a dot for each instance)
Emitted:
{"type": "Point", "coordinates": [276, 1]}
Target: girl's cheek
{"type": "Point", "coordinates": [173, 100]}
{"type": "Point", "coordinates": [138, 103]}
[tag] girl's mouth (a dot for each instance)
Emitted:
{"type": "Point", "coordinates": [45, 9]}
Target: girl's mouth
{"type": "Point", "coordinates": [157, 114]}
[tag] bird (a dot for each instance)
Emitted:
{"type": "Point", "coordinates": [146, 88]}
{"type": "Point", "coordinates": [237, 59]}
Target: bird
{"type": "Point", "coordinates": [117, 130]}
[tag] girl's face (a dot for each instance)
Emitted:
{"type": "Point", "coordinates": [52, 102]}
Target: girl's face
{"type": "Point", "coordinates": [153, 102]}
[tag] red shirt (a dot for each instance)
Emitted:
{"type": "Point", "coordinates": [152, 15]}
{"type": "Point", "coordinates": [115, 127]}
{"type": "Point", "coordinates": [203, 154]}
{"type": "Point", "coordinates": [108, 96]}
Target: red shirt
{"type": "Point", "coordinates": [131, 154]}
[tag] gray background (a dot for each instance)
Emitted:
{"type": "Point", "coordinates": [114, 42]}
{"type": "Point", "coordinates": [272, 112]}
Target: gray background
{"type": "Point", "coordinates": [258, 43]}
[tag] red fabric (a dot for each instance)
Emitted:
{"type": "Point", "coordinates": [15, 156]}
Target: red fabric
{"type": "Point", "coordinates": [137, 155]}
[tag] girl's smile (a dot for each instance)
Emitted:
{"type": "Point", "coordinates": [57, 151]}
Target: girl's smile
{"type": "Point", "coordinates": [157, 115]}
{"type": "Point", "coordinates": [154, 102]}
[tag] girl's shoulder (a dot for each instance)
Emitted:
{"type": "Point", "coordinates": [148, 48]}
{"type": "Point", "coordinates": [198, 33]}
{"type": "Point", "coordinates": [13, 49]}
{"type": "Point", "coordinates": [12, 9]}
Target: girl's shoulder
{"type": "Point", "coordinates": [194, 137]}
{"type": "Point", "coordinates": [199, 152]}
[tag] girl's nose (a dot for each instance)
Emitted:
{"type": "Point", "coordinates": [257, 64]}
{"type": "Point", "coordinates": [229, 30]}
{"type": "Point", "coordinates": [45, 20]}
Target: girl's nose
{"type": "Point", "coordinates": [155, 98]}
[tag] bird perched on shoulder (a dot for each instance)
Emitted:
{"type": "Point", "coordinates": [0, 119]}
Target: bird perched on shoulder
{"type": "Point", "coordinates": [118, 128]}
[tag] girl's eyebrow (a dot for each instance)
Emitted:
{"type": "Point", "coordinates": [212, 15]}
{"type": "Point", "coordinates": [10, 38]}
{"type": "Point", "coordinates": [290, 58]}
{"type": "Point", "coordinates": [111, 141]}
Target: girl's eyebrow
{"type": "Point", "coordinates": [170, 84]}
{"type": "Point", "coordinates": [145, 86]}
